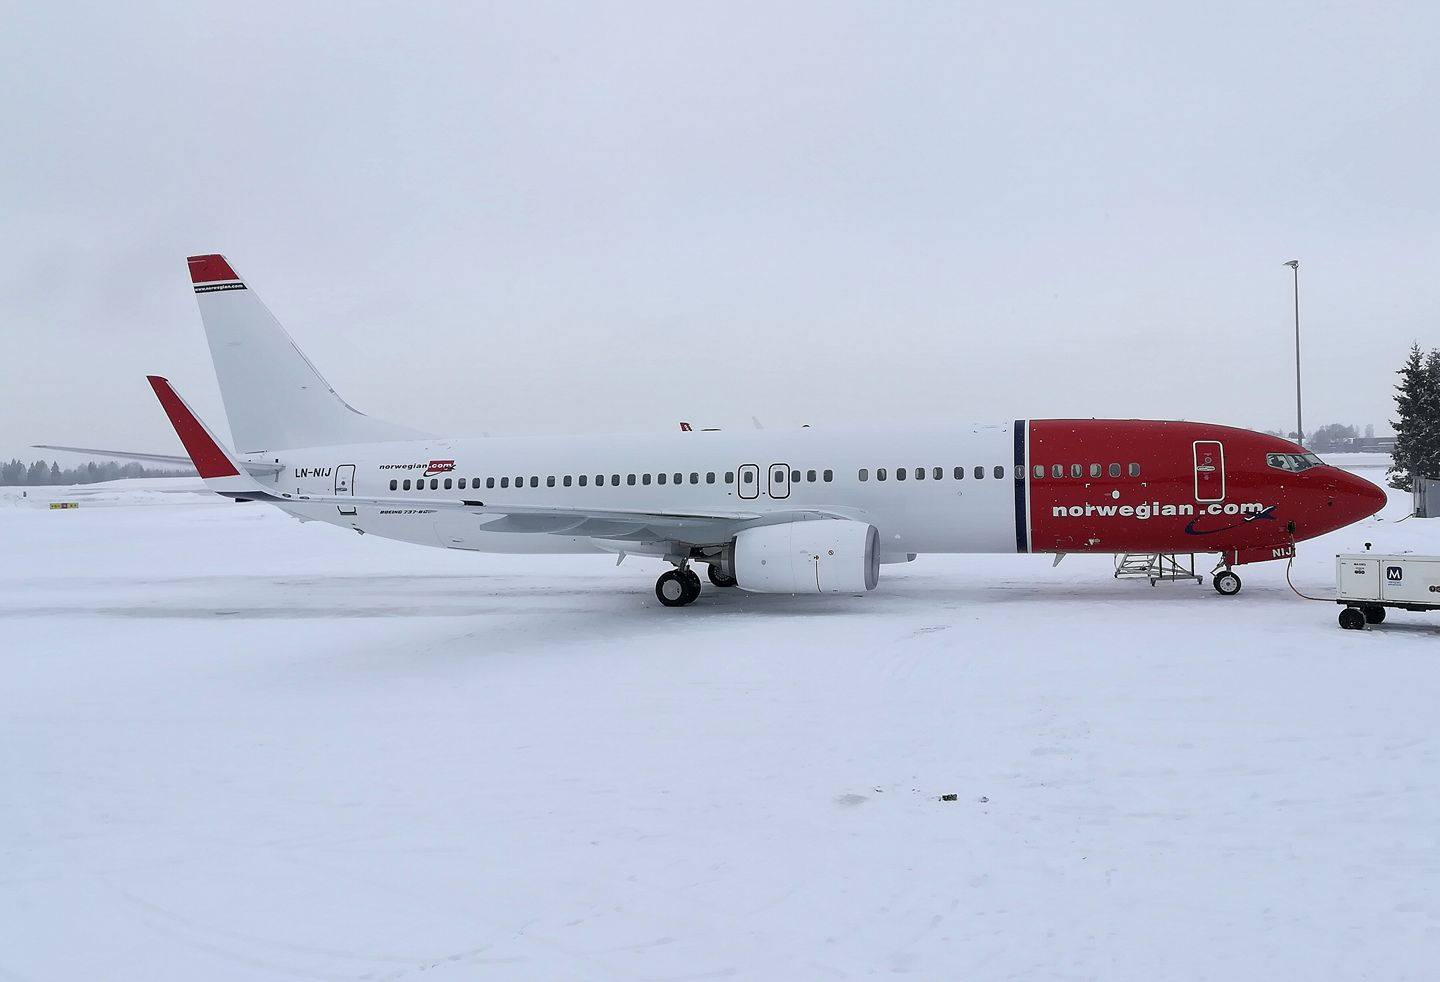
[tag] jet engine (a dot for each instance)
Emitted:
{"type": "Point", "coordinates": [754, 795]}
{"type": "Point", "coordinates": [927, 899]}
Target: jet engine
{"type": "Point", "coordinates": [828, 555]}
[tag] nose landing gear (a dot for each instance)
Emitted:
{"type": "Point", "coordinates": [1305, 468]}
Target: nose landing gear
{"type": "Point", "coordinates": [1226, 583]}
{"type": "Point", "coordinates": [678, 587]}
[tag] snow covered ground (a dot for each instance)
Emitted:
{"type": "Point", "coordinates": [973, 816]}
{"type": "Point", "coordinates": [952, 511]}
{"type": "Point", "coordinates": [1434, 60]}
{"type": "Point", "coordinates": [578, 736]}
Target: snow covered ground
{"type": "Point", "coordinates": [236, 747]}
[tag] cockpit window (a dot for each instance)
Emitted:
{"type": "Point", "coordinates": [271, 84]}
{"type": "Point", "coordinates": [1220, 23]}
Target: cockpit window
{"type": "Point", "coordinates": [1294, 462]}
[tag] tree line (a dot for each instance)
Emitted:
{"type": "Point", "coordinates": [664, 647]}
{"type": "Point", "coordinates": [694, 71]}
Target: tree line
{"type": "Point", "coordinates": [1417, 430]}
{"type": "Point", "coordinates": [17, 473]}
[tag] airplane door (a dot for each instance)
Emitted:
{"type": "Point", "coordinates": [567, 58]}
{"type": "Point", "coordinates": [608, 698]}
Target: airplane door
{"type": "Point", "coordinates": [749, 480]}
{"type": "Point", "coordinates": [779, 480]}
{"type": "Point", "coordinates": [1209, 470]}
{"type": "Point", "coordinates": [345, 484]}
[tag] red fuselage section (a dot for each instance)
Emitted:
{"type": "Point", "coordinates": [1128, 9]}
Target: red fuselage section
{"type": "Point", "coordinates": [1174, 487]}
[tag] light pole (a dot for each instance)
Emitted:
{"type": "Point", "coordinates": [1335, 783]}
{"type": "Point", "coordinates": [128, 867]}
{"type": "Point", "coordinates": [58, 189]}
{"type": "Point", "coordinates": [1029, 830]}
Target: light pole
{"type": "Point", "coordinates": [1294, 265]}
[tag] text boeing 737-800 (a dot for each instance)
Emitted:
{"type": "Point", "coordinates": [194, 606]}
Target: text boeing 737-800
{"type": "Point", "coordinates": [807, 511]}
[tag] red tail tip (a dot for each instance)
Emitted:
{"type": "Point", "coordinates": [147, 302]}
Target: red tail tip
{"type": "Point", "coordinates": [208, 269]}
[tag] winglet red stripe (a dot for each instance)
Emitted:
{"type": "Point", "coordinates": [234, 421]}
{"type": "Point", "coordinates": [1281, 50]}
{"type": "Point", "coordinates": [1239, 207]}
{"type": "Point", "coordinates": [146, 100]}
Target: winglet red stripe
{"type": "Point", "coordinates": [204, 452]}
{"type": "Point", "coordinates": [208, 269]}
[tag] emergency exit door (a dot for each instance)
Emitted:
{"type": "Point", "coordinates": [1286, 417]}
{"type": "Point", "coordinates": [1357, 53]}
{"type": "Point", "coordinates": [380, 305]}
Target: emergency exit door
{"type": "Point", "coordinates": [345, 485]}
{"type": "Point", "coordinates": [1209, 470]}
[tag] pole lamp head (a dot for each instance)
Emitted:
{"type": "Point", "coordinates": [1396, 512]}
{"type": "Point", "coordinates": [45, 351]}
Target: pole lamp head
{"type": "Point", "coordinates": [1294, 264]}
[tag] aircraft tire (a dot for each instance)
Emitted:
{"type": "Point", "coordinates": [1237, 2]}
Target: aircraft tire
{"type": "Point", "coordinates": [673, 589]}
{"type": "Point", "coordinates": [1226, 583]}
{"type": "Point", "coordinates": [692, 581]}
{"type": "Point", "coordinates": [718, 577]}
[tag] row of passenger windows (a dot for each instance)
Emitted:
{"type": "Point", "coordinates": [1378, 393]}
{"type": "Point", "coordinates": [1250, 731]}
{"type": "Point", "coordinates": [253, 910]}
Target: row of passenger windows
{"type": "Point", "coordinates": [1056, 472]}
{"type": "Point", "coordinates": [600, 480]}
{"type": "Point", "coordinates": [934, 473]}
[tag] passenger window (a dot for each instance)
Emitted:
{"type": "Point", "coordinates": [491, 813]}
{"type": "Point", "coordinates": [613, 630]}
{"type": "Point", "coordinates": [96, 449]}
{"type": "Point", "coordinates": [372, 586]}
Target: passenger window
{"type": "Point", "coordinates": [1114, 470]}
{"type": "Point", "coordinates": [645, 479]}
{"type": "Point", "coordinates": [1076, 470]}
{"type": "Point", "coordinates": [959, 473]}
{"type": "Point", "coordinates": [448, 484]}
{"type": "Point", "coordinates": [864, 474]}
{"type": "Point", "coordinates": [710, 478]}
{"type": "Point", "coordinates": [462, 484]}
{"type": "Point", "coordinates": [599, 480]}
{"type": "Point", "coordinates": [1019, 472]}
{"type": "Point", "coordinates": [919, 473]}
{"type": "Point", "coordinates": [660, 478]}
{"type": "Point", "coordinates": [679, 478]}
{"type": "Point", "coordinates": [519, 482]}
{"type": "Point", "coordinates": [434, 484]}
{"type": "Point", "coordinates": [582, 479]}
{"type": "Point", "coordinates": [1057, 470]}
{"type": "Point", "coordinates": [694, 477]}
{"type": "Point", "coordinates": [999, 472]}
{"type": "Point", "coordinates": [729, 478]}
{"type": "Point", "coordinates": [979, 473]}
{"type": "Point", "coordinates": [550, 481]}
{"type": "Point", "coordinates": [504, 482]}
{"type": "Point", "coordinates": [614, 480]}
{"type": "Point", "coordinates": [630, 480]}
{"type": "Point", "coordinates": [810, 477]}
{"type": "Point", "coordinates": [900, 473]}
{"type": "Point", "coordinates": [407, 484]}
{"type": "Point", "coordinates": [828, 476]}
{"type": "Point", "coordinates": [938, 473]}
{"type": "Point", "coordinates": [1134, 470]}
{"type": "Point", "coordinates": [566, 480]}
{"type": "Point", "coordinates": [534, 481]}
{"type": "Point", "coordinates": [795, 477]}
{"type": "Point", "coordinates": [879, 473]}
{"type": "Point", "coordinates": [394, 485]}
{"type": "Point", "coordinates": [1039, 472]}
{"type": "Point", "coordinates": [489, 482]}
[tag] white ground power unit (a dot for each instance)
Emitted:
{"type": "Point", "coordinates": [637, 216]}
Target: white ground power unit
{"type": "Point", "coordinates": [1367, 583]}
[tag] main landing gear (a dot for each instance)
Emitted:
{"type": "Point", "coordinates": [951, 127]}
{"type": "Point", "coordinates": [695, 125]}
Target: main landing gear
{"type": "Point", "coordinates": [678, 587]}
{"type": "Point", "coordinates": [1226, 583]}
{"type": "Point", "coordinates": [719, 578]}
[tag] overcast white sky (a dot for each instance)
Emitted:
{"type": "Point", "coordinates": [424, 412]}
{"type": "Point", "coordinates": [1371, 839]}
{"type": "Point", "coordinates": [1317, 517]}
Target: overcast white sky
{"type": "Point", "coordinates": [590, 217]}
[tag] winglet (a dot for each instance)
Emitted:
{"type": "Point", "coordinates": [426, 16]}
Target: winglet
{"type": "Point", "coordinates": [212, 461]}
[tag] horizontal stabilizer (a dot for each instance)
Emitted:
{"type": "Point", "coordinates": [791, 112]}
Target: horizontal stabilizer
{"type": "Point", "coordinates": [168, 460]}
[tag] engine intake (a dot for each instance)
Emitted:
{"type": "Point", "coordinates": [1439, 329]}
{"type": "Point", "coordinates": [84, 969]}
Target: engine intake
{"type": "Point", "coordinates": [829, 555]}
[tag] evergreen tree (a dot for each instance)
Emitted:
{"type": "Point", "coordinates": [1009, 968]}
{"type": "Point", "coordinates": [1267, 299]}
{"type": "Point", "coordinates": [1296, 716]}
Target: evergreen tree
{"type": "Point", "coordinates": [1415, 429]}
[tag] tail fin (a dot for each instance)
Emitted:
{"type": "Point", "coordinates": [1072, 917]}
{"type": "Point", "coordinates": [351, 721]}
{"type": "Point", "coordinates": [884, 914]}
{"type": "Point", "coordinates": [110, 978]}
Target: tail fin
{"type": "Point", "coordinates": [274, 398]}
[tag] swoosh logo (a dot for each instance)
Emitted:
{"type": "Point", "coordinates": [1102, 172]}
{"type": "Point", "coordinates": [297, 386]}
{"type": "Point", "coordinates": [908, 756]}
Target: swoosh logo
{"type": "Point", "coordinates": [1268, 514]}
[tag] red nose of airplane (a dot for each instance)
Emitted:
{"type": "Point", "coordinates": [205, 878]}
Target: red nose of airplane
{"type": "Point", "coordinates": [1356, 498]}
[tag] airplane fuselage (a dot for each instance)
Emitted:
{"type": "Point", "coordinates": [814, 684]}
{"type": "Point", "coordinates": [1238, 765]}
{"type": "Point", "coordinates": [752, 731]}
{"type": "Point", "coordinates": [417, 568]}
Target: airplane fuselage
{"type": "Point", "coordinates": [1044, 486]}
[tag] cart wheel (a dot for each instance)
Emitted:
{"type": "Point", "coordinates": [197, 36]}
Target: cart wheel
{"type": "Point", "coordinates": [1352, 619]}
{"type": "Point", "coordinates": [1227, 584]}
{"type": "Point", "coordinates": [1373, 614]}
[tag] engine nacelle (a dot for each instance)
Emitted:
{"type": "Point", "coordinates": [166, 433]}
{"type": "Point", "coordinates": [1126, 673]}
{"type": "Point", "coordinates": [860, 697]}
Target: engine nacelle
{"type": "Point", "coordinates": [827, 555]}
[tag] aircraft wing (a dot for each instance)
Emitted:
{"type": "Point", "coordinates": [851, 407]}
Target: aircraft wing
{"type": "Point", "coordinates": [696, 528]}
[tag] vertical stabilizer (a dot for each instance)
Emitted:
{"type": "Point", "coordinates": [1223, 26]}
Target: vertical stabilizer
{"type": "Point", "coordinates": [274, 398]}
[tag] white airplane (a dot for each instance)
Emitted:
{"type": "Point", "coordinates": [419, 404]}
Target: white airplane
{"type": "Point", "coordinates": [806, 511]}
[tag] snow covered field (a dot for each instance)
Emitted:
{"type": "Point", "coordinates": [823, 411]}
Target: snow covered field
{"type": "Point", "coordinates": [236, 747]}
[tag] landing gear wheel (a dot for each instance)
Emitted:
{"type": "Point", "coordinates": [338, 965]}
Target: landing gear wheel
{"type": "Point", "coordinates": [1352, 619]}
{"type": "Point", "coordinates": [675, 589]}
{"type": "Point", "coordinates": [718, 577]}
{"type": "Point", "coordinates": [1226, 583]}
{"type": "Point", "coordinates": [1373, 614]}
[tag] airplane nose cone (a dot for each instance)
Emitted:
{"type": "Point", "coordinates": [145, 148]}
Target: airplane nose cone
{"type": "Point", "coordinates": [1359, 498]}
